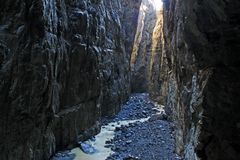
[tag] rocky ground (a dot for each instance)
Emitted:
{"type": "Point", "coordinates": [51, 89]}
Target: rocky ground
{"type": "Point", "coordinates": [150, 140]}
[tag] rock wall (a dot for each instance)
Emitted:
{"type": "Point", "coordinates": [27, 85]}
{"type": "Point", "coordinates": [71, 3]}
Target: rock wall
{"type": "Point", "coordinates": [120, 71]}
{"type": "Point", "coordinates": [130, 13]}
{"type": "Point", "coordinates": [63, 65]}
{"type": "Point", "coordinates": [146, 51]}
{"type": "Point", "coordinates": [202, 80]}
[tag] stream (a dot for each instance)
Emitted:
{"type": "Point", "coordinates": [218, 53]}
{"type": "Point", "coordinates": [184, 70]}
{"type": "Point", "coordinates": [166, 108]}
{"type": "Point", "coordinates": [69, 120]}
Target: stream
{"type": "Point", "coordinates": [141, 130]}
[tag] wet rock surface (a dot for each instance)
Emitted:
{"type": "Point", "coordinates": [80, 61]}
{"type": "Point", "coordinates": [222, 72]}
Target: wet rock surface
{"type": "Point", "coordinates": [86, 148]}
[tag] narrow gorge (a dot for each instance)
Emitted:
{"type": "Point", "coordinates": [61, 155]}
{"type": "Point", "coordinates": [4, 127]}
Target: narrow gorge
{"type": "Point", "coordinates": [119, 79]}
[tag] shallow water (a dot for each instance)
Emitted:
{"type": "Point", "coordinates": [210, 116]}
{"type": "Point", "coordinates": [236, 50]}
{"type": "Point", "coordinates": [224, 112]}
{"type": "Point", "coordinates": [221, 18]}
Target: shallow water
{"type": "Point", "coordinates": [132, 112]}
{"type": "Point", "coordinates": [106, 134]}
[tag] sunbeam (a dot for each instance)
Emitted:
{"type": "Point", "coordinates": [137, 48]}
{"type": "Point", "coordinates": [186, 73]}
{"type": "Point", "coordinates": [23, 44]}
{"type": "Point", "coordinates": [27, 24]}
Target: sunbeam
{"type": "Point", "coordinates": [158, 4]}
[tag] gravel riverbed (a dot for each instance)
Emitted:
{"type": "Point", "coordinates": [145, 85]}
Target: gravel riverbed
{"type": "Point", "coordinates": [140, 131]}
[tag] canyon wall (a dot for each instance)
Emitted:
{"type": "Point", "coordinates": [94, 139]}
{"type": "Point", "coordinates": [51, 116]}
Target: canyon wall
{"type": "Point", "coordinates": [146, 50]}
{"type": "Point", "coordinates": [202, 81]}
{"type": "Point", "coordinates": [63, 65]}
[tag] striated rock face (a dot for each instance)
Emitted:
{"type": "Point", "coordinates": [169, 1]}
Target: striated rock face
{"type": "Point", "coordinates": [116, 85]}
{"type": "Point", "coordinates": [129, 19]}
{"type": "Point", "coordinates": [146, 52]}
{"type": "Point", "coordinates": [63, 64]}
{"type": "Point", "coordinates": [202, 44]}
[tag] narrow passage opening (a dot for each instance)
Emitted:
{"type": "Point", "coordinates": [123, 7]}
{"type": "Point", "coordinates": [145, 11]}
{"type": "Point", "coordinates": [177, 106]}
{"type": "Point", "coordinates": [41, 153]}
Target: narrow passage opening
{"type": "Point", "coordinates": [141, 130]}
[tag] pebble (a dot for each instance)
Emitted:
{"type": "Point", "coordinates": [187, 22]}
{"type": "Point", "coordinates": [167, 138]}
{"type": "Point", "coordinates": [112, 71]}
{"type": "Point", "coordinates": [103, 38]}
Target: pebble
{"type": "Point", "coordinates": [142, 140]}
{"type": "Point", "coordinates": [128, 135]}
{"type": "Point", "coordinates": [87, 148]}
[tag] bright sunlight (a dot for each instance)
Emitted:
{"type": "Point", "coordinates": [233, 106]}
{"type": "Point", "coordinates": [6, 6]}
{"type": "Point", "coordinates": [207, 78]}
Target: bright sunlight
{"type": "Point", "coordinates": [158, 4]}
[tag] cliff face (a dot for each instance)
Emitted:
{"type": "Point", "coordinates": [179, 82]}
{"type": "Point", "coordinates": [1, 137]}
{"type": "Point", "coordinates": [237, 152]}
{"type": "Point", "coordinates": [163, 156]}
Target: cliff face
{"type": "Point", "coordinates": [147, 48]}
{"type": "Point", "coordinates": [202, 46]}
{"type": "Point", "coordinates": [118, 63]}
{"type": "Point", "coordinates": [63, 64]}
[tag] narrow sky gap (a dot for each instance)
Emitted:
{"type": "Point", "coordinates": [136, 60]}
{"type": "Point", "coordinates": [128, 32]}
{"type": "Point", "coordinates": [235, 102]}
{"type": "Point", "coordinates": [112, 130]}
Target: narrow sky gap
{"type": "Point", "coordinates": [158, 4]}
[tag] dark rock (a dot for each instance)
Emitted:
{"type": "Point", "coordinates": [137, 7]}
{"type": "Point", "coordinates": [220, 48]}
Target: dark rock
{"type": "Point", "coordinates": [64, 156]}
{"type": "Point", "coordinates": [128, 135]}
{"type": "Point", "coordinates": [108, 146]}
{"type": "Point", "coordinates": [63, 64]}
{"type": "Point", "coordinates": [129, 141]}
{"type": "Point", "coordinates": [131, 158]}
{"type": "Point", "coordinates": [202, 79]}
{"type": "Point", "coordinates": [146, 54]}
{"type": "Point", "coordinates": [141, 139]}
{"type": "Point", "coordinates": [117, 128]}
{"type": "Point", "coordinates": [158, 117]}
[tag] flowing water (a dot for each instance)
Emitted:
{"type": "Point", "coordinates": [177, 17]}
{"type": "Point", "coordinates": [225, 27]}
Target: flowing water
{"type": "Point", "coordinates": [106, 134]}
{"type": "Point", "coordinates": [137, 111]}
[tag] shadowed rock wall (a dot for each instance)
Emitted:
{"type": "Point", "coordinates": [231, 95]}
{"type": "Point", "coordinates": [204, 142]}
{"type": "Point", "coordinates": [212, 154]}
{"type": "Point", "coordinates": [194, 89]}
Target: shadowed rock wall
{"type": "Point", "coordinates": [202, 46]}
{"type": "Point", "coordinates": [63, 64]}
{"type": "Point", "coordinates": [120, 71]}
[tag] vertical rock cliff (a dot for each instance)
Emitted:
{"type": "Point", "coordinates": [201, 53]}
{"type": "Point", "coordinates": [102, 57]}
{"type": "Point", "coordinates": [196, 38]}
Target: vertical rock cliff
{"type": "Point", "coordinates": [63, 64]}
{"type": "Point", "coordinates": [147, 48]}
{"type": "Point", "coordinates": [202, 46]}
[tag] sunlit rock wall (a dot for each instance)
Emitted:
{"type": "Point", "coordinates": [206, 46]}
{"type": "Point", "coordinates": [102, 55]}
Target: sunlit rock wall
{"type": "Point", "coordinates": [147, 48]}
{"type": "Point", "coordinates": [63, 64]}
{"type": "Point", "coordinates": [202, 46]}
